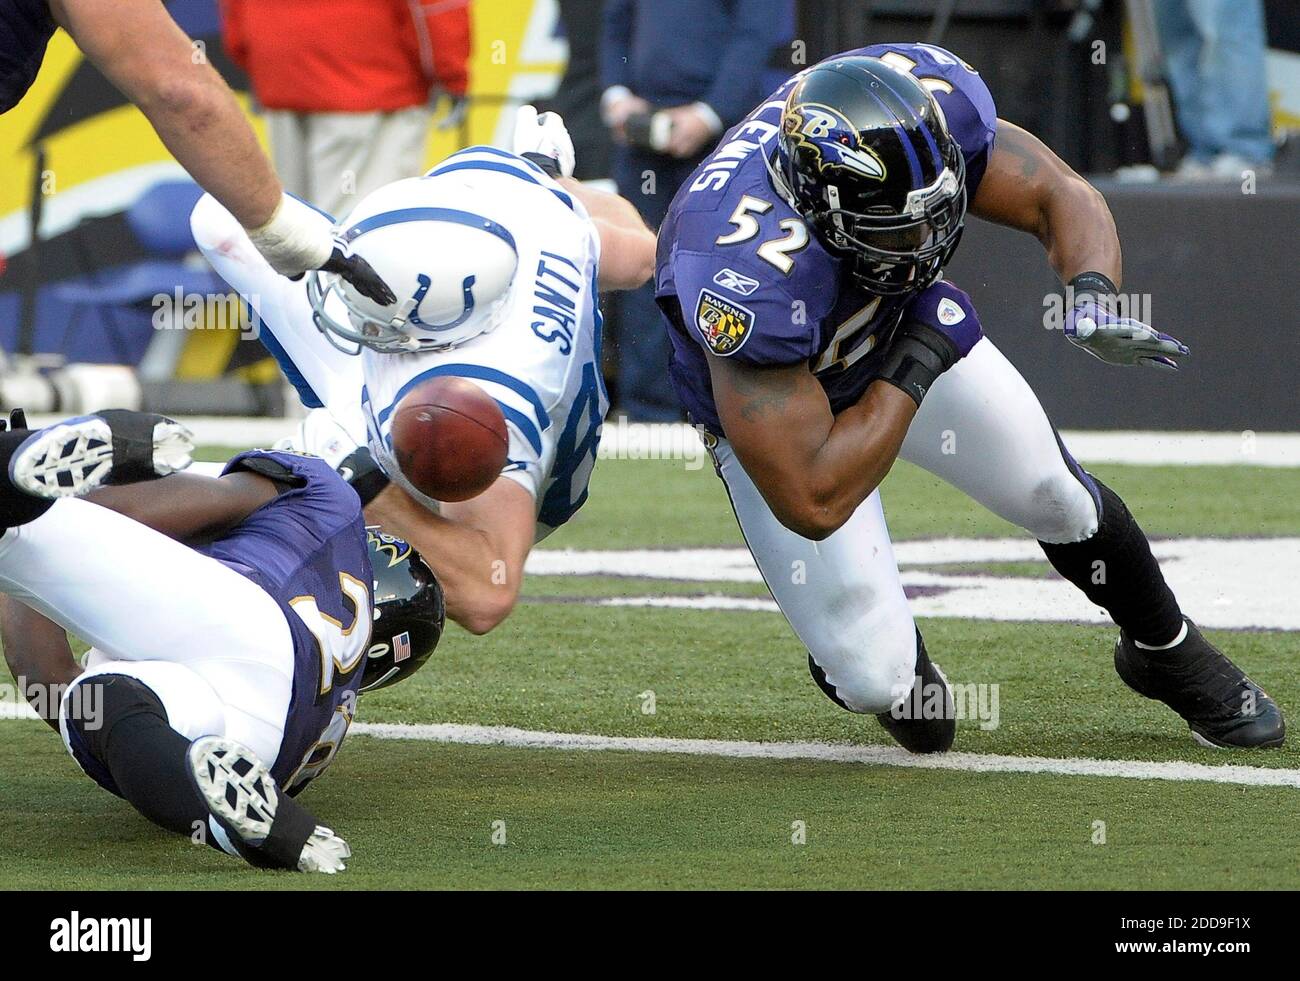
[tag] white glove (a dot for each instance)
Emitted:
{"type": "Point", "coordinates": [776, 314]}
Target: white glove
{"type": "Point", "coordinates": [545, 134]}
{"type": "Point", "coordinates": [297, 238]}
{"type": "Point", "coordinates": [320, 435]}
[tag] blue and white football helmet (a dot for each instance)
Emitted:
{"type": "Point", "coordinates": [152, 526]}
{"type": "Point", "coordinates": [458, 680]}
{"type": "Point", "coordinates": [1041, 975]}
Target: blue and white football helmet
{"type": "Point", "coordinates": [450, 267]}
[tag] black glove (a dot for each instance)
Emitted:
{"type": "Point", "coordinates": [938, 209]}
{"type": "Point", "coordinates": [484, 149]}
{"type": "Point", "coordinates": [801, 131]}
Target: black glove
{"type": "Point", "coordinates": [361, 275]}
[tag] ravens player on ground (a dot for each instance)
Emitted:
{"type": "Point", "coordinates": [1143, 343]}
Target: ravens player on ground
{"type": "Point", "coordinates": [230, 621]}
{"type": "Point", "coordinates": [814, 338]}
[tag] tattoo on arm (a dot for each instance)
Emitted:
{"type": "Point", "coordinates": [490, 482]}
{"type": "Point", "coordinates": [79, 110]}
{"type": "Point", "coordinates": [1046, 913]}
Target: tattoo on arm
{"type": "Point", "coordinates": [763, 394]}
{"type": "Point", "coordinates": [1013, 142]}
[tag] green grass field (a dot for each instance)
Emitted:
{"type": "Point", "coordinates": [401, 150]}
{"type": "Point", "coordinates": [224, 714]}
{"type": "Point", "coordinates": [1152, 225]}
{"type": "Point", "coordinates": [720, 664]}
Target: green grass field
{"type": "Point", "coordinates": [423, 815]}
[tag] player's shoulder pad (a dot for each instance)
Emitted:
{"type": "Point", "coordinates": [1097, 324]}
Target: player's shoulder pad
{"type": "Point", "coordinates": [961, 93]}
{"type": "Point", "coordinates": [735, 308]}
{"type": "Point", "coordinates": [943, 306]}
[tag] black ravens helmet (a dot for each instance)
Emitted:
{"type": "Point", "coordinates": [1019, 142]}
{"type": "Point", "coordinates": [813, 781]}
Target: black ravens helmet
{"type": "Point", "coordinates": [409, 612]}
{"type": "Point", "coordinates": [866, 156]}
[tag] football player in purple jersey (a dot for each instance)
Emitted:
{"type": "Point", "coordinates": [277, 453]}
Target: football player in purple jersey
{"type": "Point", "coordinates": [230, 622]}
{"type": "Point", "coordinates": [816, 341]}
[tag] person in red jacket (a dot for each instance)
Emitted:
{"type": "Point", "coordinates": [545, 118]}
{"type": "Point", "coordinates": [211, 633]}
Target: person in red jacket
{"type": "Point", "coordinates": [347, 86]}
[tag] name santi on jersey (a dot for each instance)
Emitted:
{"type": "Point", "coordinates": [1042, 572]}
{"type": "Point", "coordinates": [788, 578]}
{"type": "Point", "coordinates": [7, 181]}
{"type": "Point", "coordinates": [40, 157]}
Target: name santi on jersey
{"type": "Point", "coordinates": [557, 300]}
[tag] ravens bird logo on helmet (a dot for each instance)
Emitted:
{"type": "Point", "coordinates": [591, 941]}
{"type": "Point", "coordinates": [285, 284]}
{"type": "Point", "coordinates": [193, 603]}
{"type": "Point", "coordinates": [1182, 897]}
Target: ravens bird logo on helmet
{"type": "Point", "coordinates": [832, 139]}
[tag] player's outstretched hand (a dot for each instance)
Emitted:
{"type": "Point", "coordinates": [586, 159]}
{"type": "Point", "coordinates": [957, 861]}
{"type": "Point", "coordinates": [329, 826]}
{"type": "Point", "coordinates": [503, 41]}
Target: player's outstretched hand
{"type": "Point", "coordinates": [299, 237]}
{"type": "Point", "coordinates": [1093, 325]}
{"type": "Point", "coordinates": [547, 137]}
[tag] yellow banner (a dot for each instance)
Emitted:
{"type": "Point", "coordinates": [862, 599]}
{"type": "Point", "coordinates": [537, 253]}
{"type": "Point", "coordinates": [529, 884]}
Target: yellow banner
{"type": "Point", "coordinates": [514, 55]}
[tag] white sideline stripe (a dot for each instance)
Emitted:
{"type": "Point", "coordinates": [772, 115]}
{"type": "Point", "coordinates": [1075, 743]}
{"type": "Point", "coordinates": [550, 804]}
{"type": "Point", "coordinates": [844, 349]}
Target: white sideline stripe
{"type": "Point", "coordinates": [470, 735]}
{"type": "Point", "coordinates": [621, 441]}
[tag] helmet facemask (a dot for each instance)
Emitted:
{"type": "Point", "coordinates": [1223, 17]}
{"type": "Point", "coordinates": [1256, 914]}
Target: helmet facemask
{"type": "Point", "coordinates": [855, 138]}
{"type": "Point", "coordinates": [895, 253]}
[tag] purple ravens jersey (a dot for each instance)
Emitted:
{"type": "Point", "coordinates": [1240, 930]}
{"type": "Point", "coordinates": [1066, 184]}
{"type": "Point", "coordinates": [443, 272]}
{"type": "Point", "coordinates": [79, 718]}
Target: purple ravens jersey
{"type": "Point", "coordinates": [740, 275]}
{"type": "Point", "coordinates": [307, 548]}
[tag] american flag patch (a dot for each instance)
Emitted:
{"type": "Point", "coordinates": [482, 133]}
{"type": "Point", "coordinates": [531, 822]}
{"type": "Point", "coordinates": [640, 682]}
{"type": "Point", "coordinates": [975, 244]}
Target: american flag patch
{"type": "Point", "coordinates": [402, 647]}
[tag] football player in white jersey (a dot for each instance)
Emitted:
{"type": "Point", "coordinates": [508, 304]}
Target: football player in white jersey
{"type": "Point", "coordinates": [497, 260]}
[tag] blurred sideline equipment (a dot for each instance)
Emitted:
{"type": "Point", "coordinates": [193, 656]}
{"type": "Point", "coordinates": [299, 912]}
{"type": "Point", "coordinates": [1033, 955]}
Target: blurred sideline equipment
{"type": "Point", "coordinates": [1162, 137]}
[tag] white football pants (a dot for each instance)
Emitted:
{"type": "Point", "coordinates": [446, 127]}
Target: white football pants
{"type": "Point", "coordinates": [212, 645]}
{"type": "Point", "coordinates": [982, 430]}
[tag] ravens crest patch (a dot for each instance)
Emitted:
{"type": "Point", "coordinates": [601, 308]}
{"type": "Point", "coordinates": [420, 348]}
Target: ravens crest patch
{"type": "Point", "coordinates": [724, 324]}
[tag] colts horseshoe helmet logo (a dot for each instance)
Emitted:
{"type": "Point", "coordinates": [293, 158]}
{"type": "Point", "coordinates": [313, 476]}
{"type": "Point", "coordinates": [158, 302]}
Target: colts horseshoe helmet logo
{"type": "Point", "coordinates": [833, 139]}
{"type": "Point", "coordinates": [412, 306]}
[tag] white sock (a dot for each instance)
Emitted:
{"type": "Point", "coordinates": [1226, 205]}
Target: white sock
{"type": "Point", "coordinates": [1182, 636]}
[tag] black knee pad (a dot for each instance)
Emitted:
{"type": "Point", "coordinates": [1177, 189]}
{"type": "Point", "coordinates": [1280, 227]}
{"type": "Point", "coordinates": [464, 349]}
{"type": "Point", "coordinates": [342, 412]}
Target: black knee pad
{"type": "Point", "coordinates": [120, 697]}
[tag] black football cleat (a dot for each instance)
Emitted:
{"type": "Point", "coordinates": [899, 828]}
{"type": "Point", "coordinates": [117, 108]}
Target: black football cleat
{"type": "Point", "coordinates": [926, 721]}
{"type": "Point", "coordinates": [266, 827]}
{"type": "Point", "coordinates": [1222, 707]}
{"type": "Point", "coordinates": [117, 446]}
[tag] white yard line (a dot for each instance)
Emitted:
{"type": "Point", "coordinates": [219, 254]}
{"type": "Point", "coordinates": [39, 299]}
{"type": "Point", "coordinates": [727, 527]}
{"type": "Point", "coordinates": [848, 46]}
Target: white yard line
{"type": "Point", "coordinates": [1225, 583]}
{"type": "Point", "coordinates": [624, 441]}
{"type": "Point", "coordinates": [470, 735]}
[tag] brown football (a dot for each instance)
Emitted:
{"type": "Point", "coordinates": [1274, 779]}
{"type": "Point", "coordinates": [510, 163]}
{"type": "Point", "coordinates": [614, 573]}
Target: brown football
{"type": "Point", "coordinates": [450, 439]}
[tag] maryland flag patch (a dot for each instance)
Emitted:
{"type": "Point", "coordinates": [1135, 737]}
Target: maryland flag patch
{"type": "Point", "coordinates": [725, 325]}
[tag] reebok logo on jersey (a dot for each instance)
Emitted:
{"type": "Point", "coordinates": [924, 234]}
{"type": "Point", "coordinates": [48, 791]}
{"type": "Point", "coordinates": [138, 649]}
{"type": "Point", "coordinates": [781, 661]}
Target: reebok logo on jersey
{"type": "Point", "coordinates": [725, 325]}
{"type": "Point", "coordinates": [729, 279]}
{"type": "Point", "coordinates": [950, 313]}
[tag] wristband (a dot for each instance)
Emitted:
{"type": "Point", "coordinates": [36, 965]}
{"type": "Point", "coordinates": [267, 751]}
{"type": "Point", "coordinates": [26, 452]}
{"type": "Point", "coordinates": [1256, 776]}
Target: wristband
{"type": "Point", "coordinates": [917, 356]}
{"type": "Point", "coordinates": [363, 474]}
{"type": "Point", "coordinates": [1092, 284]}
{"type": "Point", "coordinates": [548, 164]}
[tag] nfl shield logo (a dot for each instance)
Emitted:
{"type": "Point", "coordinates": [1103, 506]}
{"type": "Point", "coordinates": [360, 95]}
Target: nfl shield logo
{"type": "Point", "coordinates": [401, 647]}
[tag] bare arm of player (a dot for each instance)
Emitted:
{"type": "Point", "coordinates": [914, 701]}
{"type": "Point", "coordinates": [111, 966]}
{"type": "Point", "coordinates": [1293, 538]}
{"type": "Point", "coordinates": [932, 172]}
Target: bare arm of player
{"type": "Point", "coordinates": [1027, 186]}
{"type": "Point", "coordinates": [627, 246]}
{"type": "Point", "coordinates": [154, 64]}
{"type": "Point", "coordinates": [476, 548]}
{"type": "Point", "coordinates": [188, 507]}
{"type": "Point", "coordinates": [37, 653]}
{"type": "Point", "coordinates": [813, 468]}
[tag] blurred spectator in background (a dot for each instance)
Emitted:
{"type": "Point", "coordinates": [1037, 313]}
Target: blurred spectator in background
{"type": "Point", "coordinates": [348, 86]}
{"type": "Point", "coordinates": [676, 74]}
{"type": "Point", "coordinates": [1214, 56]}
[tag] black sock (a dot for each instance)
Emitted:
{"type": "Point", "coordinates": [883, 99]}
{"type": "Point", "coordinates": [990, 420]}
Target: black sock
{"type": "Point", "coordinates": [143, 755]}
{"type": "Point", "coordinates": [1117, 571]}
{"type": "Point", "coordinates": [16, 508]}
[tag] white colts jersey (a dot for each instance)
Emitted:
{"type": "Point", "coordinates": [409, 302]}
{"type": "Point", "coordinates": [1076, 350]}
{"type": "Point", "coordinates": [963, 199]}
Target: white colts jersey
{"type": "Point", "coordinates": [542, 363]}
